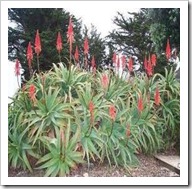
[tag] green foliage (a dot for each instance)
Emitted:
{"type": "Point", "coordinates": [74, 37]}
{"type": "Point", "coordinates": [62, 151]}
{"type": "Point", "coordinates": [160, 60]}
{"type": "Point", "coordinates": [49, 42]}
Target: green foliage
{"type": "Point", "coordinates": [165, 23]}
{"type": "Point", "coordinates": [62, 154]}
{"type": "Point", "coordinates": [170, 109]}
{"type": "Point", "coordinates": [19, 144]}
{"type": "Point", "coordinates": [60, 131]}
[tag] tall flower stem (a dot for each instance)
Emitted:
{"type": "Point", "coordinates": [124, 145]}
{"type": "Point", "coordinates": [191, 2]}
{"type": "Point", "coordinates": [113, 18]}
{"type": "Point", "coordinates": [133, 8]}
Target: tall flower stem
{"type": "Point", "coordinates": [70, 60]}
{"type": "Point", "coordinates": [59, 57]}
{"type": "Point", "coordinates": [38, 64]}
{"type": "Point", "coordinates": [85, 62]}
{"type": "Point", "coordinates": [111, 129]}
{"type": "Point", "coordinates": [30, 71]}
{"type": "Point", "coordinates": [18, 81]}
{"type": "Point", "coordinates": [88, 132]}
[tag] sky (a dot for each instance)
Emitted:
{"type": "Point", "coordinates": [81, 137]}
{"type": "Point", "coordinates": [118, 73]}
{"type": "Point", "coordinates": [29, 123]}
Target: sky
{"type": "Point", "coordinates": [99, 14]}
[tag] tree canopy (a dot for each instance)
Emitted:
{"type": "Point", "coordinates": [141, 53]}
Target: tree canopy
{"type": "Point", "coordinates": [138, 34]}
{"type": "Point", "coordinates": [145, 32]}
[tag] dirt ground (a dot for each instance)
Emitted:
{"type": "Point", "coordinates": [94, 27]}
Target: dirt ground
{"type": "Point", "coordinates": [148, 167]}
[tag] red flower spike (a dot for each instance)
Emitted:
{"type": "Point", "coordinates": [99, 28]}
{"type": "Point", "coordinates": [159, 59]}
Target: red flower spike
{"type": "Point", "coordinates": [76, 54]}
{"type": "Point", "coordinates": [59, 42]}
{"type": "Point", "coordinates": [91, 109]}
{"type": "Point", "coordinates": [149, 68]}
{"type": "Point", "coordinates": [168, 50]}
{"type": "Point", "coordinates": [93, 62]}
{"type": "Point", "coordinates": [37, 43]}
{"type": "Point", "coordinates": [29, 54]}
{"type": "Point", "coordinates": [105, 81]}
{"type": "Point", "coordinates": [17, 68]}
{"type": "Point", "coordinates": [70, 34]}
{"type": "Point", "coordinates": [153, 59]}
{"type": "Point", "coordinates": [112, 112]}
{"type": "Point", "coordinates": [140, 104]}
{"type": "Point", "coordinates": [123, 60]}
{"type": "Point", "coordinates": [86, 46]}
{"type": "Point", "coordinates": [114, 58]}
{"type": "Point", "coordinates": [130, 64]}
{"type": "Point", "coordinates": [145, 63]}
{"type": "Point", "coordinates": [32, 91]}
{"type": "Point", "coordinates": [118, 62]}
{"type": "Point", "coordinates": [157, 96]}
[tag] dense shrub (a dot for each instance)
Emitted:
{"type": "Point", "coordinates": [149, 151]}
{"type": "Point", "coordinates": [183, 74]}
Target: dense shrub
{"type": "Point", "coordinates": [68, 116]}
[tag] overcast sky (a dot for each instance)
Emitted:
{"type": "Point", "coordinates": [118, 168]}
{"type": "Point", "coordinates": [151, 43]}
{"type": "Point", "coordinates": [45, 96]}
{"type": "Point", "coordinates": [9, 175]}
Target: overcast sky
{"type": "Point", "coordinates": [98, 13]}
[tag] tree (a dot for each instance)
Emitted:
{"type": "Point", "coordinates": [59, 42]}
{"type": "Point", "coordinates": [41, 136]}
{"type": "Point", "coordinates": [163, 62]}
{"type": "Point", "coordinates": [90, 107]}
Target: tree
{"type": "Point", "coordinates": [96, 46]}
{"type": "Point", "coordinates": [132, 36]}
{"type": "Point", "coordinates": [165, 23]}
{"type": "Point", "coordinates": [146, 32]}
{"type": "Point", "coordinates": [49, 21]}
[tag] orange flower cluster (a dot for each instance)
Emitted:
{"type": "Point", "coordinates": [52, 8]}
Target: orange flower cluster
{"type": "Point", "coordinates": [32, 91]}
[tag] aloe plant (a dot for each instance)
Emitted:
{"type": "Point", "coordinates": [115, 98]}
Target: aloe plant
{"type": "Point", "coordinates": [62, 152]}
{"type": "Point", "coordinates": [72, 116]}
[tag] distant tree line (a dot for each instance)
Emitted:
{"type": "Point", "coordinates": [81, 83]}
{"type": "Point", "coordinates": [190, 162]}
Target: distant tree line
{"type": "Point", "coordinates": [138, 35]}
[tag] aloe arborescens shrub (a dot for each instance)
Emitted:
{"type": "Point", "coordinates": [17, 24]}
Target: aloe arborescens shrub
{"type": "Point", "coordinates": [69, 116]}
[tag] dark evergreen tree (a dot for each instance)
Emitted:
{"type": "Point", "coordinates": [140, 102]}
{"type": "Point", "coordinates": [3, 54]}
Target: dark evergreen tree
{"type": "Point", "coordinates": [132, 36]}
{"type": "Point", "coordinates": [146, 32]}
{"type": "Point", "coordinates": [165, 23]}
{"type": "Point", "coordinates": [49, 21]}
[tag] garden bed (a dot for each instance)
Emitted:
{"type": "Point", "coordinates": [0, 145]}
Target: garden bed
{"type": "Point", "coordinates": [148, 167]}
